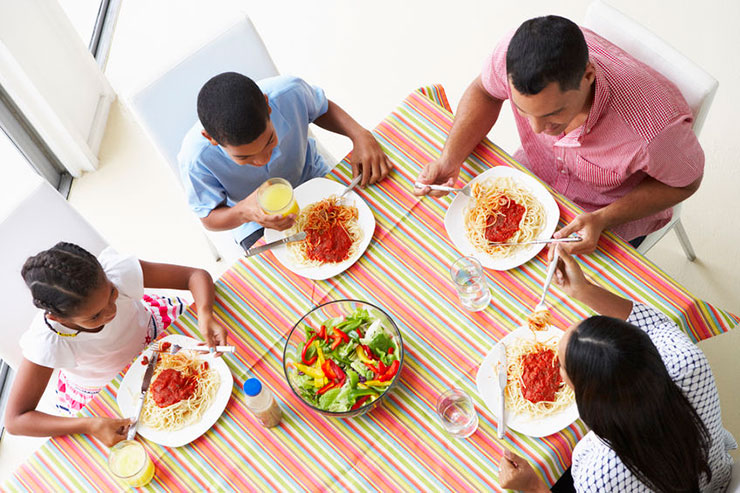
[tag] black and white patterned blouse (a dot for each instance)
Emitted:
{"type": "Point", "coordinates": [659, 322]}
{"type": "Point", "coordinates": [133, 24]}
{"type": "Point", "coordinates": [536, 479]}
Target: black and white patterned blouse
{"type": "Point", "coordinates": [596, 466]}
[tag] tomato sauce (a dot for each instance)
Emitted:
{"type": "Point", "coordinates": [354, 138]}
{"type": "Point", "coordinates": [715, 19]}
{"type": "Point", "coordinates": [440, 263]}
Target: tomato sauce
{"type": "Point", "coordinates": [502, 225]}
{"type": "Point", "coordinates": [328, 245]}
{"type": "Point", "coordinates": [541, 376]}
{"type": "Point", "coordinates": [171, 387]}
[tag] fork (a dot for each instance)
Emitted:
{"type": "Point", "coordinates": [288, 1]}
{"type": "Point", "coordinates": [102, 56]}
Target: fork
{"type": "Point", "coordinates": [175, 348]}
{"type": "Point", "coordinates": [464, 190]}
{"type": "Point", "coordinates": [548, 279]}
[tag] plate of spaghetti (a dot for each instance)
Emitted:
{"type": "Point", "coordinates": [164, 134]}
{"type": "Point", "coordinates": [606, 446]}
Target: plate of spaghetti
{"type": "Point", "coordinates": [507, 206]}
{"type": "Point", "coordinates": [337, 232]}
{"type": "Point", "coordinates": [188, 393]}
{"type": "Point", "coordinates": [538, 402]}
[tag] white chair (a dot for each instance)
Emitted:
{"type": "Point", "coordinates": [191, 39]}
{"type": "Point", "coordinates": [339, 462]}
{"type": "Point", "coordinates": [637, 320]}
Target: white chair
{"type": "Point", "coordinates": [695, 84]}
{"type": "Point", "coordinates": [166, 107]}
{"type": "Point", "coordinates": [38, 222]}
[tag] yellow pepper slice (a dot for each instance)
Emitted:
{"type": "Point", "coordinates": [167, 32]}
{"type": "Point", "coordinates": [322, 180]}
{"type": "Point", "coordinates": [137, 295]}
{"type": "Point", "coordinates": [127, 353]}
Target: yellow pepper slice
{"type": "Point", "coordinates": [376, 383]}
{"type": "Point", "coordinates": [310, 370]}
{"type": "Point", "coordinates": [319, 381]}
{"type": "Point", "coordinates": [361, 354]}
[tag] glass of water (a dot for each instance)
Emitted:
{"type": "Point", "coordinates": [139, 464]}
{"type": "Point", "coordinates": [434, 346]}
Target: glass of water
{"type": "Point", "coordinates": [471, 283]}
{"type": "Point", "coordinates": [457, 413]}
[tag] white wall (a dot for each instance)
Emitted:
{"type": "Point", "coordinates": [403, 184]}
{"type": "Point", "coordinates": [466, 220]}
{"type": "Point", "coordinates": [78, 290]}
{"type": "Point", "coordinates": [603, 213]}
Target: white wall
{"type": "Point", "coordinates": [50, 74]}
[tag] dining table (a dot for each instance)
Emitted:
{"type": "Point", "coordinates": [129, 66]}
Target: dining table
{"type": "Point", "coordinates": [400, 445]}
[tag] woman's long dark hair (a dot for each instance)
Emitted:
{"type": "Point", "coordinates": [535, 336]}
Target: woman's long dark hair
{"type": "Point", "coordinates": [62, 278]}
{"type": "Point", "coordinates": [625, 395]}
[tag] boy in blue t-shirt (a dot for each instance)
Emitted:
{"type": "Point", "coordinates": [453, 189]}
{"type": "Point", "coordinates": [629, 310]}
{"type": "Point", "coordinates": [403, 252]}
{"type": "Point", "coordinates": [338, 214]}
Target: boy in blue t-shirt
{"type": "Point", "coordinates": [249, 132]}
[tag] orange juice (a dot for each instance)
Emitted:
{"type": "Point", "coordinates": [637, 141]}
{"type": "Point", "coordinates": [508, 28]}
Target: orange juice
{"type": "Point", "coordinates": [129, 462]}
{"type": "Point", "coordinates": [276, 197]}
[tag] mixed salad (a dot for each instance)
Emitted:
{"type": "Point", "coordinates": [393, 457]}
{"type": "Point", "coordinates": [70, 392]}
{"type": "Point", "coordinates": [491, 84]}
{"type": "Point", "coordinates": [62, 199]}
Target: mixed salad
{"type": "Point", "coordinates": [347, 363]}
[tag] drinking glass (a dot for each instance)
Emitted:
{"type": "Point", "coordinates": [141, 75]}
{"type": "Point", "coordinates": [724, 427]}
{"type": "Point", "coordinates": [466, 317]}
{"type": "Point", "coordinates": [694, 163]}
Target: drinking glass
{"type": "Point", "coordinates": [276, 196]}
{"type": "Point", "coordinates": [457, 413]}
{"type": "Point", "coordinates": [471, 283]}
{"type": "Point", "coordinates": [129, 462]}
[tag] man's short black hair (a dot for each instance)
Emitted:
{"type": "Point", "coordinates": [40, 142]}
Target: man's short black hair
{"type": "Point", "coordinates": [544, 50]}
{"type": "Point", "coordinates": [232, 109]}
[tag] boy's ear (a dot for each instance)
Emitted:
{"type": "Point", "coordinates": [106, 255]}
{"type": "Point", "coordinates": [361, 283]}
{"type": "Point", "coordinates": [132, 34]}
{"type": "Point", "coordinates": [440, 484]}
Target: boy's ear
{"type": "Point", "coordinates": [208, 137]}
{"type": "Point", "coordinates": [267, 100]}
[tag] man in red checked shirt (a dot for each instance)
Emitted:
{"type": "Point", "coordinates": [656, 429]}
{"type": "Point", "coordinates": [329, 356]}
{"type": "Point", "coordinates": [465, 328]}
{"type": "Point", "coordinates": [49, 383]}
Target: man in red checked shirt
{"type": "Point", "coordinates": [602, 128]}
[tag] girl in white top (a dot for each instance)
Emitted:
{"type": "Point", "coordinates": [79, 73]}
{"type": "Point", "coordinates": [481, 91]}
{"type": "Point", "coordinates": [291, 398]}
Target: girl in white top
{"type": "Point", "coordinates": [647, 394]}
{"type": "Point", "coordinates": [93, 322]}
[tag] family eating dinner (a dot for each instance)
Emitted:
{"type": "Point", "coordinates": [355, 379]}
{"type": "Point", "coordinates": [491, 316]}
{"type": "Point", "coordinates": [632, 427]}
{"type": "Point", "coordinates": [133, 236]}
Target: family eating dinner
{"type": "Point", "coordinates": [602, 390]}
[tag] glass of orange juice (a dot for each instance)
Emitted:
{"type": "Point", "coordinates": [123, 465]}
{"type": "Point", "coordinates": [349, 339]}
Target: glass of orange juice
{"type": "Point", "coordinates": [275, 196]}
{"type": "Point", "coordinates": [129, 462]}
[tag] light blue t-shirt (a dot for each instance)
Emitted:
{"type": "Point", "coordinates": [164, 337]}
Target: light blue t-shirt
{"type": "Point", "coordinates": [212, 179]}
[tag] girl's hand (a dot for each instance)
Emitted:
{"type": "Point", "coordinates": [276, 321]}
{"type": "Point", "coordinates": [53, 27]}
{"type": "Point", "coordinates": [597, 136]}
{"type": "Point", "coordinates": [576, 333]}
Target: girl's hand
{"type": "Point", "coordinates": [110, 431]}
{"type": "Point", "coordinates": [213, 332]}
{"type": "Point", "coordinates": [515, 473]}
{"type": "Point", "coordinates": [569, 276]}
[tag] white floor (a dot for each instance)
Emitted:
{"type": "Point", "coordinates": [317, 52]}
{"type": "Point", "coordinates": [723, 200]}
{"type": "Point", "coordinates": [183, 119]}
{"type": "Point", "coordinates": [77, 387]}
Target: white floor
{"type": "Point", "coordinates": [368, 56]}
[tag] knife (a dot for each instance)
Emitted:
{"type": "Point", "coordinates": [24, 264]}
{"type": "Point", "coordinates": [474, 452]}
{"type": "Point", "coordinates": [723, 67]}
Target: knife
{"type": "Point", "coordinates": [144, 388]}
{"type": "Point", "coordinates": [288, 239]}
{"type": "Point", "coordinates": [351, 185]}
{"type": "Point", "coordinates": [502, 374]}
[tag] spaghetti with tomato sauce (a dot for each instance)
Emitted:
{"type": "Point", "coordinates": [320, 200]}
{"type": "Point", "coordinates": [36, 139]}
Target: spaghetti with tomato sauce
{"type": "Point", "coordinates": [332, 233]}
{"type": "Point", "coordinates": [534, 386]}
{"type": "Point", "coordinates": [182, 388]}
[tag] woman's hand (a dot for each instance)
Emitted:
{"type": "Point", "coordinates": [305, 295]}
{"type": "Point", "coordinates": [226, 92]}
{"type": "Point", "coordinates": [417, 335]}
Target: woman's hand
{"type": "Point", "coordinates": [110, 431]}
{"type": "Point", "coordinates": [213, 332]}
{"type": "Point", "coordinates": [515, 473]}
{"type": "Point", "coordinates": [568, 274]}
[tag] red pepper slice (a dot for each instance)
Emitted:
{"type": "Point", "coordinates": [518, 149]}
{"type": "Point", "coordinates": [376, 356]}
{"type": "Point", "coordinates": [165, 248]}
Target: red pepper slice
{"type": "Point", "coordinates": [369, 352]}
{"type": "Point", "coordinates": [360, 401]}
{"type": "Point", "coordinates": [390, 350]}
{"type": "Point", "coordinates": [326, 387]}
{"type": "Point", "coordinates": [329, 369]}
{"type": "Point", "coordinates": [341, 334]}
{"type": "Point", "coordinates": [337, 342]}
{"type": "Point", "coordinates": [305, 350]}
{"type": "Point", "coordinates": [382, 367]}
{"type": "Point", "coordinates": [390, 372]}
{"type": "Point", "coordinates": [322, 333]}
{"type": "Point", "coordinates": [373, 368]}
{"type": "Point", "coordinates": [359, 332]}
{"type": "Point", "coordinates": [336, 369]}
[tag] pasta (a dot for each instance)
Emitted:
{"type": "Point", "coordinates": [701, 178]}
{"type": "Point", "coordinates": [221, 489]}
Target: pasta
{"type": "Point", "coordinates": [182, 388]}
{"type": "Point", "coordinates": [332, 233]}
{"type": "Point", "coordinates": [534, 386]}
{"type": "Point", "coordinates": [539, 320]}
{"type": "Point", "coordinates": [502, 211]}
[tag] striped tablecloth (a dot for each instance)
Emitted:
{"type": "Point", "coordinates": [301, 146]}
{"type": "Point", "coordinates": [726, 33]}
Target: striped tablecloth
{"type": "Point", "coordinates": [400, 445]}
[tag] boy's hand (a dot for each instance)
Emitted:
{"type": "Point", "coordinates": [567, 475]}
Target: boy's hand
{"type": "Point", "coordinates": [250, 211]}
{"type": "Point", "coordinates": [110, 431]}
{"type": "Point", "coordinates": [369, 158]}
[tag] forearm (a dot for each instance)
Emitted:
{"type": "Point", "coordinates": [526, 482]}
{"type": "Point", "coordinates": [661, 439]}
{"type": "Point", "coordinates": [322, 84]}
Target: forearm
{"type": "Point", "coordinates": [604, 302]}
{"type": "Point", "coordinates": [476, 114]}
{"type": "Point", "coordinates": [339, 121]}
{"type": "Point", "coordinates": [37, 424]}
{"type": "Point", "coordinates": [225, 218]}
{"type": "Point", "coordinates": [647, 198]}
{"type": "Point", "coordinates": [201, 286]}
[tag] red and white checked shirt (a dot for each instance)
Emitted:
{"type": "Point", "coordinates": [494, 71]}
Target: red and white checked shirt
{"type": "Point", "coordinates": [639, 125]}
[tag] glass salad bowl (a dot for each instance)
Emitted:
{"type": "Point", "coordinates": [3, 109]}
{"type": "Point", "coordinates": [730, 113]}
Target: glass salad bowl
{"type": "Point", "coordinates": [343, 357]}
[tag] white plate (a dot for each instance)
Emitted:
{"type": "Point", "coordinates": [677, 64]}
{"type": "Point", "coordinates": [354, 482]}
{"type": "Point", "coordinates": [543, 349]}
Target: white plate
{"type": "Point", "coordinates": [308, 193]}
{"type": "Point", "coordinates": [455, 220]}
{"type": "Point", "coordinates": [487, 382]}
{"type": "Point", "coordinates": [130, 389]}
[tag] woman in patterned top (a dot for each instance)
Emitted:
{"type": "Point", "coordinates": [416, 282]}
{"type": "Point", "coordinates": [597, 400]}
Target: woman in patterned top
{"type": "Point", "coordinates": [647, 394]}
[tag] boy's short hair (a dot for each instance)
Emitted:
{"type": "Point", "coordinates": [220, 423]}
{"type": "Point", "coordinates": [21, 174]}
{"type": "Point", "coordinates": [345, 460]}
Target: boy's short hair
{"type": "Point", "coordinates": [545, 50]}
{"type": "Point", "coordinates": [232, 109]}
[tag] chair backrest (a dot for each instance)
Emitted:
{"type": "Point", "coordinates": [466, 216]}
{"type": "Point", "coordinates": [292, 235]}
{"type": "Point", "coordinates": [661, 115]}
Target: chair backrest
{"type": "Point", "coordinates": [166, 107]}
{"type": "Point", "coordinates": [39, 221]}
{"type": "Point", "coordinates": [695, 84]}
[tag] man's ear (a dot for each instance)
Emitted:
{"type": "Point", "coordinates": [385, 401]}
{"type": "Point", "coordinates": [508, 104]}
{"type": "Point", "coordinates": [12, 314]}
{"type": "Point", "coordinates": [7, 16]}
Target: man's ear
{"type": "Point", "coordinates": [590, 74]}
{"type": "Point", "coordinates": [208, 137]}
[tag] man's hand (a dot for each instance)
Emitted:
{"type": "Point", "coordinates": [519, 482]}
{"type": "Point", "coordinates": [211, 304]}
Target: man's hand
{"type": "Point", "coordinates": [369, 159]}
{"type": "Point", "coordinates": [438, 172]}
{"type": "Point", "coordinates": [515, 473]}
{"type": "Point", "coordinates": [250, 210]}
{"type": "Point", "coordinates": [110, 431]}
{"type": "Point", "coordinates": [589, 227]}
